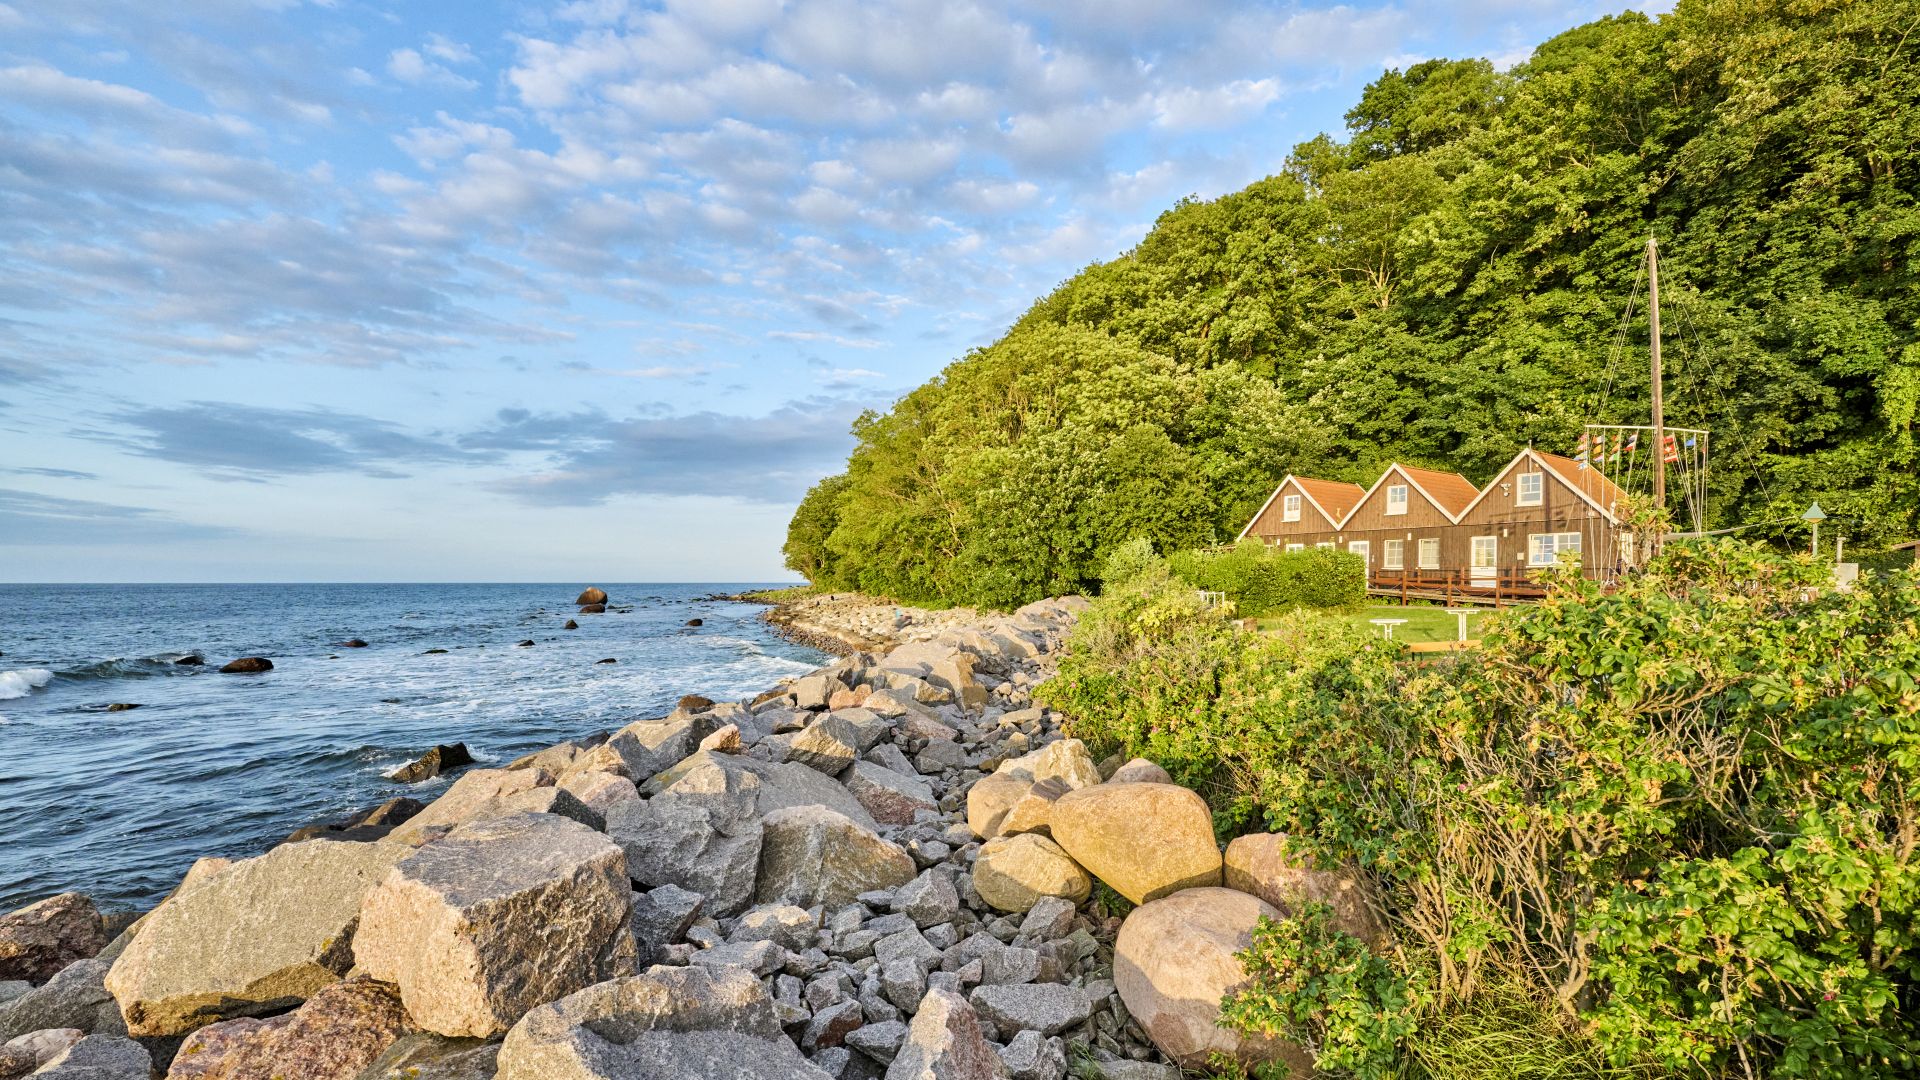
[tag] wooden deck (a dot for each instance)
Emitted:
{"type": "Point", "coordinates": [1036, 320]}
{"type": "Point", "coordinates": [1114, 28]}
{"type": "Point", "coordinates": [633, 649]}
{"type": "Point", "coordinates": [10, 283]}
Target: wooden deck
{"type": "Point", "coordinates": [1450, 587]}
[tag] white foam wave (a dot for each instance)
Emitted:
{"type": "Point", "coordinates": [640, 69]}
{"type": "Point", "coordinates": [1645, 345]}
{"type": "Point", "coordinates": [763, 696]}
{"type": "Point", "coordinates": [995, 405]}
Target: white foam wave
{"type": "Point", "coordinates": [24, 681]}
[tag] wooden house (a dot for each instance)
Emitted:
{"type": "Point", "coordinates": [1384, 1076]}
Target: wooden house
{"type": "Point", "coordinates": [1402, 522]}
{"type": "Point", "coordinates": [1539, 508]}
{"type": "Point", "coordinates": [1303, 512]}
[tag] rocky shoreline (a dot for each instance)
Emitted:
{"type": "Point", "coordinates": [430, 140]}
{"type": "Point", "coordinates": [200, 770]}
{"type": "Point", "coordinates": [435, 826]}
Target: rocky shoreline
{"type": "Point", "coordinates": [882, 868]}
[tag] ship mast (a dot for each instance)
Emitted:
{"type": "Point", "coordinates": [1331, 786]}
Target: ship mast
{"type": "Point", "coordinates": [1659, 408]}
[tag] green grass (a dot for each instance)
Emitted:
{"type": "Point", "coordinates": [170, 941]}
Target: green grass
{"type": "Point", "coordinates": [1425, 622]}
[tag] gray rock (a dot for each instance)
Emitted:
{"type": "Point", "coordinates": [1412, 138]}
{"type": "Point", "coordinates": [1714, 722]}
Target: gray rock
{"type": "Point", "coordinates": [13, 988]}
{"type": "Point", "coordinates": [1050, 917]}
{"type": "Point", "coordinates": [1032, 1056]}
{"type": "Point", "coordinates": [929, 899]}
{"type": "Point", "coordinates": [1048, 1008]}
{"type": "Point", "coordinates": [881, 1041]}
{"type": "Point", "coordinates": [474, 789]}
{"type": "Point", "coordinates": [426, 1056]}
{"type": "Point", "coordinates": [829, 744]}
{"type": "Point", "coordinates": [945, 1042]}
{"type": "Point", "coordinates": [940, 755]}
{"type": "Point", "coordinates": [891, 797]}
{"type": "Point", "coordinates": [814, 691]}
{"type": "Point", "coordinates": [75, 998]}
{"type": "Point", "coordinates": [662, 915]}
{"type": "Point", "coordinates": [759, 957]}
{"type": "Point", "coordinates": [646, 747]}
{"type": "Point", "coordinates": [814, 855]}
{"type": "Point", "coordinates": [1137, 1070]}
{"type": "Point", "coordinates": [831, 1025]}
{"type": "Point", "coordinates": [785, 925]}
{"type": "Point", "coordinates": [903, 982]}
{"type": "Point", "coordinates": [1010, 965]}
{"type": "Point", "coordinates": [100, 1057]}
{"type": "Point", "coordinates": [679, 842]}
{"type": "Point", "coordinates": [888, 756]}
{"type": "Point", "coordinates": [685, 1023]}
{"type": "Point", "coordinates": [907, 945]}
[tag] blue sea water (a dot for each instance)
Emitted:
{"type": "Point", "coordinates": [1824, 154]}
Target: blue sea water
{"type": "Point", "coordinates": [119, 804]}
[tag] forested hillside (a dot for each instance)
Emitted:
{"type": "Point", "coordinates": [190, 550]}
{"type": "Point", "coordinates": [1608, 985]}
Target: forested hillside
{"type": "Point", "coordinates": [1443, 286]}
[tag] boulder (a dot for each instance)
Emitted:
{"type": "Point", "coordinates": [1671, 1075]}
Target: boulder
{"type": "Point", "coordinates": [679, 842]}
{"type": "Point", "coordinates": [891, 797]}
{"type": "Point", "coordinates": [1032, 1056]}
{"type": "Point", "coordinates": [849, 699]}
{"type": "Point", "coordinates": [570, 625]}
{"type": "Point", "coordinates": [122, 706]}
{"type": "Point", "coordinates": [696, 622]}
{"type": "Point", "coordinates": [661, 916]}
{"type": "Point", "coordinates": [591, 595]}
{"type": "Point", "coordinates": [599, 791]}
{"type": "Point", "coordinates": [1033, 811]}
{"type": "Point", "coordinates": [38, 940]}
{"type": "Point", "coordinates": [1258, 864]}
{"type": "Point", "coordinates": [1012, 873]}
{"type": "Point", "coordinates": [691, 1023]}
{"type": "Point", "coordinates": [1139, 771]}
{"type": "Point", "coordinates": [337, 1033]}
{"type": "Point", "coordinates": [646, 747]}
{"type": "Point", "coordinates": [1144, 840]}
{"type": "Point", "coordinates": [1065, 762]}
{"type": "Point", "coordinates": [75, 998]}
{"type": "Point", "coordinates": [30, 1051]}
{"type": "Point", "coordinates": [744, 787]}
{"type": "Point", "coordinates": [354, 643]}
{"type": "Point", "coordinates": [593, 609]}
{"type": "Point", "coordinates": [443, 758]}
{"type": "Point", "coordinates": [1175, 959]}
{"type": "Point", "coordinates": [426, 1056]}
{"type": "Point", "coordinates": [814, 855]}
{"type": "Point", "coordinates": [259, 936]}
{"type": "Point", "coordinates": [724, 740]}
{"type": "Point", "coordinates": [247, 665]}
{"type": "Point", "coordinates": [944, 1042]}
{"type": "Point", "coordinates": [100, 1057]}
{"type": "Point", "coordinates": [929, 899]}
{"type": "Point", "coordinates": [814, 691]}
{"type": "Point", "coordinates": [474, 790]}
{"type": "Point", "coordinates": [829, 744]}
{"type": "Point", "coordinates": [500, 915]}
{"type": "Point", "coordinates": [1048, 1008]}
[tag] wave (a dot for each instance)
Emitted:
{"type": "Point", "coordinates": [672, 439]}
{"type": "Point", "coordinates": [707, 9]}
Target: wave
{"type": "Point", "coordinates": [23, 681]}
{"type": "Point", "coordinates": [139, 667]}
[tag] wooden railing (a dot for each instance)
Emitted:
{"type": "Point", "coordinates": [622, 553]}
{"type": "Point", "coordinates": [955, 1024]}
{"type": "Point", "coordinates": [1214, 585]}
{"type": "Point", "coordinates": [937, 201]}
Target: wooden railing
{"type": "Point", "coordinates": [1499, 586]}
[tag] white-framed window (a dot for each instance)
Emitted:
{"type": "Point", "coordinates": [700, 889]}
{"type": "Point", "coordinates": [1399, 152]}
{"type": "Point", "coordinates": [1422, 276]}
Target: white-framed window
{"type": "Point", "coordinates": [1362, 548]}
{"type": "Point", "coordinates": [1430, 553]}
{"type": "Point", "coordinates": [1296, 547]}
{"type": "Point", "coordinates": [1529, 489]}
{"type": "Point", "coordinates": [1326, 544]}
{"type": "Point", "coordinates": [1290, 508]}
{"type": "Point", "coordinates": [1484, 555]}
{"type": "Point", "coordinates": [1396, 498]}
{"type": "Point", "coordinates": [1393, 554]}
{"type": "Point", "coordinates": [1545, 549]}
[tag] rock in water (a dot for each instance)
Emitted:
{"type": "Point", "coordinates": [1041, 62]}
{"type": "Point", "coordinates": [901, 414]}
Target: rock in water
{"type": "Point", "coordinates": [260, 936]}
{"type": "Point", "coordinates": [338, 1032]}
{"type": "Point", "coordinates": [696, 622]}
{"type": "Point", "coordinates": [1258, 864]}
{"type": "Point", "coordinates": [570, 625]}
{"type": "Point", "coordinates": [1173, 962]}
{"type": "Point", "coordinates": [593, 609]}
{"type": "Point", "coordinates": [247, 665]}
{"type": "Point", "coordinates": [100, 1057]}
{"type": "Point", "coordinates": [123, 706]}
{"type": "Point", "coordinates": [812, 855]}
{"type": "Point", "coordinates": [694, 703]}
{"type": "Point", "coordinates": [500, 915]}
{"type": "Point", "coordinates": [591, 596]}
{"type": "Point", "coordinates": [1145, 840]}
{"type": "Point", "coordinates": [944, 1042]}
{"type": "Point", "coordinates": [691, 1023]}
{"type": "Point", "coordinates": [40, 939]}
{"type": "Point", "coordinates": [353, 643]}
{"type": "Point", "coordinates": [442, 758]}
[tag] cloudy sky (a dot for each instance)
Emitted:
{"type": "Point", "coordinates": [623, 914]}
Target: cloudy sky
{"type": "Point", "coordinates": [348, 290]}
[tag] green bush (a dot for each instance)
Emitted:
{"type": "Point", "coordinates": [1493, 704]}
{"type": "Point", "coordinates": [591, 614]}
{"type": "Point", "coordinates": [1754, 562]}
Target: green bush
{"type": "Point", "coordinates": [1127, 562]}
{"type": "Point", "coordinates": [1684, 813]}
{"type": "Point", "coordinates": [1262, 580]}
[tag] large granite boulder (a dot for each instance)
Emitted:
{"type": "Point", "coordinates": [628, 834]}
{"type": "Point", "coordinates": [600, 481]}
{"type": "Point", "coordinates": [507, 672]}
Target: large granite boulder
{"type": "Point", "coordinates": [813, 855]}
{"type": "Point", "coordinates": [1065, 762]}
{"type": "Point", "coordinates": [1258, 863]}
{"type": "Point", "coordinates": [892, 797]}
{"type": "Point", "coordinates": [38, 940]}
{"type": "Point", "coordinates": [500, 915]}
{"type": "Point", "coordinates": [1173, 962]}
{"type": "Point", "coordinates": [466, 797]}
{"type": "Point", "coordinates": [338, 1032]}
{"type": "Point", "coordinates": [738, 788]}
{"type": "Point", "coordinates": [945, 1042]}
{"type": "Point", "coordinates": [100, 1057]}
{"type": "Point", "coordinates": [708, 850]}
{"type": "Point", "coordinates": [1012, 873]}
{"type": "Point", "coordinates": [1146, 841]}
{"type": "Point", "coordinates": [426, 1056]}
{"type": "Point", "coordinates": [260, 936]}
{"type": "Point", "coordinates": [692, 1023]}
{"type": "Point", "coordinates": [75, 998]}
{"type": "Point", "coordinates": [646, 747]}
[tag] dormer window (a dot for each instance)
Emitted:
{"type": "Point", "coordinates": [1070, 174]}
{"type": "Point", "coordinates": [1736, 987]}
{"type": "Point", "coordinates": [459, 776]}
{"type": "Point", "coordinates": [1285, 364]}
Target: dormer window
{"type": "Point", "coordinates": [1397, 499]}
{"type": "Point", "coordinates": [1528, 489]}
{"type": "Point", "coordinates": [1290, 508]}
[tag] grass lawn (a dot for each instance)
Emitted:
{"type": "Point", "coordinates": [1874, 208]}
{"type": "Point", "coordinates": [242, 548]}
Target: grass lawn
{"type": "Point", "coordinates": [1425, 622]}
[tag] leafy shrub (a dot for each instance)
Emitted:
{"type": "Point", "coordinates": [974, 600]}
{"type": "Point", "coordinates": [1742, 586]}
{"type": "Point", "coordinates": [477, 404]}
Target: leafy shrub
{"type": "Point", "coordinates": [1262, 580]}
{"type": "Point", "coordinates": [1127, 562]}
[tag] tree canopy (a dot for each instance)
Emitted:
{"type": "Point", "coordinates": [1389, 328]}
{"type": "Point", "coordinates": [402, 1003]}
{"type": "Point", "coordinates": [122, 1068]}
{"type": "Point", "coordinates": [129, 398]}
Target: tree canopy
{"type": "Point", "coordinates": [1445, 285]}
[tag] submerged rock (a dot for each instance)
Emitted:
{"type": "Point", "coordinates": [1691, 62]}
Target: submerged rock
{"type": "Point", "coordinates": [441, 759]}
{"type": "Point", "coordinates": [247, 665]}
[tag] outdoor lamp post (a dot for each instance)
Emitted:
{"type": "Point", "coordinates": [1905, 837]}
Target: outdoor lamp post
{"type": "Point", "coordinates": [1814, 516]}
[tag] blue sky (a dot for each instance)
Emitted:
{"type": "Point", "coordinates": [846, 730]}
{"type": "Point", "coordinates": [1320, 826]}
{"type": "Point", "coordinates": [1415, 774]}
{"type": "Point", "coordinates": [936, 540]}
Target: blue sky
{"type": "Point", "coordinates": [338, 290]}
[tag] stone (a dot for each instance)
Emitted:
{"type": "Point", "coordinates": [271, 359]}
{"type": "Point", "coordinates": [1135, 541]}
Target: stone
{"type": "Point", "coordinates": [939, 755]}
{"type": "Point", "coordinates": [426, 1056]}
{"type": "Point", "coordinates": [1140, 771]}
{"type": "Point", "coordinates": [465, 796]}
{"type": "Point", "coordinates": [441, 759]}
{"type": "Point", "coordinates": [1048, 1008]}
{"type": "Point", "coordinates": [338, 1032]}
{"type": "Point", "coordinates": [371, 824]}
{"type": "Point", "coordinates": [646, 747]}
{"type": "Point", "coordinates": [1145, 841]}
{"type": "Point", "coordinates": [557, 801]}
{"type": "Point", "coordinates": [678, 842]}
{"type": "Point", "coordinates": [1137, 1070]}
{"type": "Point", "coordinates": [661, 916]}
{"type": "Point", "coordinates": [888, 756]}
{"type": "Point", "coordinates": [259, 936]}
{"type": "Point", "coordinates": [1033, 811]}
{"type": "Point", "coordinates": [945, 1042]}
{"type": "Point", "coordinates": [591, 595]}
{"type": "Point", "coordinates": [760, 957]}
{"type": "Point", "coordinates": [906, 945]}
{"type": "Point", "coordinates": [570, 625]}
{"type": "Point", "coordinates": [75, 998]}
{"type": "Point", "coordinates": [40, 1047]}
{"type": "Point", "coordinates": [903, 982]}
{"type": "Point", "coordinates": [1258, 864]}
{"type": "Point", "coordinates": [880, 1041]}
{"type": "Point", "coordinates": [815, 855]}
{"type": "Point", "coordinates": [1032, 1056]}
{"type": "Point", "coordinates": [929, 899]}
{"type": "Point", "coordinates": [13, 988]}
{"type": "Point", "coordinates": [585, 609]}
{"type": "Point", "coordinates": [829, 744]}
{"type": "Point", "coordinates": [16, 1061]}
{"type": "Point", "coordinates": [686, 1023]}
{"type": "Point", "coordinates": [500, 915]}
{"type": "Point", "coordinates": [739, 788]}
{"type": "Point", "coordinates": [849, 699]}
{"type": "Point", "coordinates": [100, 1057]}
{"type": "Point", "coordinates": [246, 665]}
{"type": "Point", "coordinates": [38, 940]}
{"type": "Point", "coordinates": [1050, 917]}
{"type": "Point", "coordinates": [891, 797]}
{"type": "Point", "coordinates": [993, 797]}
{"type": "Point", "coordinates": [724, 740]}
{"type": "Point", "coordinates": [1012, 873]}
{"type": "Point", "coordinates": [814, 691]}
{"type": "Point", "coordinates": [831, 1025]}
{"type": "Point", "coordinates": [599, 791]}
{"type": "Point", "coordinates": [1175, 959]}
{"type": "Point", "coordinates": [785, 925]}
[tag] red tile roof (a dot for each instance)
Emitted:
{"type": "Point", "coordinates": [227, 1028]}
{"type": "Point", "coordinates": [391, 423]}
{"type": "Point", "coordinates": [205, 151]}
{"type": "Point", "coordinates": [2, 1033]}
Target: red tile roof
{"type": "Point", "coordinates": [1336, 498]}
{"type": "Point", "coordinates": [1451, 490]}
{"type": "Point", "coordinates": [1597, 487]}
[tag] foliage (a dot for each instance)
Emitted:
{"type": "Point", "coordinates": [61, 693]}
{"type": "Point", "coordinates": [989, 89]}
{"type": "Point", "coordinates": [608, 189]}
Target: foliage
{"type": "Point", "coordinates": [1262, 580]}
{"type": "Point", "coordinates": [1505, 1033]}
{"type": "Point", "coordinates": [1128, 562]}
{"type": "Point", "coordinates": [1444, 287]}
{"type": "Point", "coordinates": [1322, 989]}
{"type": "Point", "coordinates": [1684, 811]}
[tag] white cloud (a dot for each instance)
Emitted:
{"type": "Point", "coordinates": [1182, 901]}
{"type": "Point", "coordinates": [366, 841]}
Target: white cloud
{"type": "Point", "coordinates": [409, 66]}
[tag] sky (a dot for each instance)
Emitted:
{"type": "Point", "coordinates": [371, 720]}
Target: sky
{"type": "Point", "coordinates": [332, 290]}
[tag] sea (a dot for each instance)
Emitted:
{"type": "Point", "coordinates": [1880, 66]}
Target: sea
{"type": "Point", "coordinates": [117, 804]}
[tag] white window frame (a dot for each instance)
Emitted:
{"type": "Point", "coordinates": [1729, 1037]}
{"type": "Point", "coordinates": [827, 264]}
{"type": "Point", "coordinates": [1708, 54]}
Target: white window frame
{"type": "Point", "coordinates": [1393, 554]}
{"type": "Point", "coordinates": [1290, 508]}
{"type": "Point", "coordinates": [1362, 548]}
{"type": "Point", "coordinates": [1396, 499]}
{"type": "Point", "coordinates": [1522, 497]}
{"type": "Point", "coordinates": [1545, 549]}
{"type": "Point", "coordinates": [1296, 547]}
{"type": "Point", "coordinates": [1490, 546]}
{"type": "Point", "coordinates": [1429, 544]}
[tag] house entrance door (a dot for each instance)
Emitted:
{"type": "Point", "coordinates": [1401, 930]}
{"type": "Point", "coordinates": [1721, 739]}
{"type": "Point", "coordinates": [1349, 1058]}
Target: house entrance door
{"type": "Point", "coordinates": [1485, 564]}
